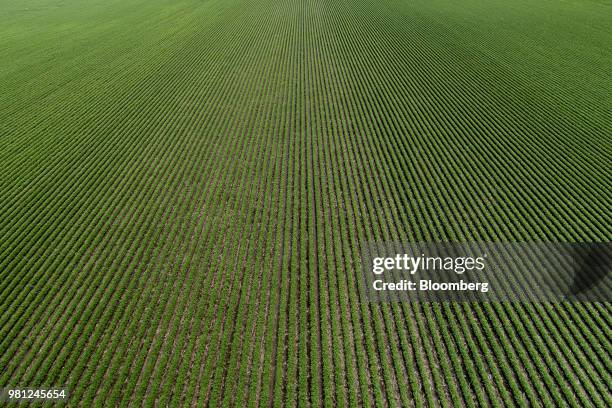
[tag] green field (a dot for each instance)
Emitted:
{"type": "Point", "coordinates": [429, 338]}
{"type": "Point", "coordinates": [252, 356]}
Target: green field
{"type": "Point", "coordinates": [185, 186]}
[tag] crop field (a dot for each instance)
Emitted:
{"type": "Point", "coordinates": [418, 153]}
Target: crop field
{"type": "Point", "coordinates": [185, 186]}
